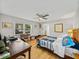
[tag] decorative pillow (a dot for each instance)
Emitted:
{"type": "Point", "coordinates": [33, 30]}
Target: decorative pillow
{"type": "Point", "coordinates": [67, 41]}
{"type": "Point", "coordinates": [76, 46]}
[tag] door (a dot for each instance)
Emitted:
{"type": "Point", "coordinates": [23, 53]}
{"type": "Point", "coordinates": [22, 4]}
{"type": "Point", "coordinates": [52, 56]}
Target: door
{"type": "Point", "coordinates": [46, 29]}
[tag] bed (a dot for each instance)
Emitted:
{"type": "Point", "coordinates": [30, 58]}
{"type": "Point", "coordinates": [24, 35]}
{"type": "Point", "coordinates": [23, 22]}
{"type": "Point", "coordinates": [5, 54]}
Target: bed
{"type": "Point", "coordinates": [47, 42]}
{"type": "Point", "coordinates": [50, 43]}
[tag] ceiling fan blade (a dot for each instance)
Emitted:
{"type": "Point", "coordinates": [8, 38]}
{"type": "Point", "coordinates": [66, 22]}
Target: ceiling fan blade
{"type": "Point", "coordinates": [44, 18]}
{"type": "Point", "coordinates": [46, 15]}
{"type": "Point", "coordinates": [39, 15]}
{"type": "Point", "coordinates": [42, 15]}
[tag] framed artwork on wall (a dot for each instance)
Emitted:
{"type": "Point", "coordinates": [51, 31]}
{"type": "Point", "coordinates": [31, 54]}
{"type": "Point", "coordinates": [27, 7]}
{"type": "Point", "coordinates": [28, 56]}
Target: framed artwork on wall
{"type": "Point", "coordinates": [6, 25]}
{"type": "Point", "coordinates": [58, 27]}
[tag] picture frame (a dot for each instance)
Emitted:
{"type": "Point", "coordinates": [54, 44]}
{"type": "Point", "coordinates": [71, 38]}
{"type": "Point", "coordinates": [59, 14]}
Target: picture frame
{"type": "Point", "coordinates": [58, 27]}
{"type": "Point", "coordinates": [6, 25]}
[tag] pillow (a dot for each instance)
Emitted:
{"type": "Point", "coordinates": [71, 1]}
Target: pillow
{"type": "Point", "coordinates": [76, 46]}
{"type": "Point", "coordinates": [67, 41]}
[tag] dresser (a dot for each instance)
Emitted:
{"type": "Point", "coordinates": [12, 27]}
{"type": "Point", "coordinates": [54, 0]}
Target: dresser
{"type": "Point", "coordinates": [74, 33]}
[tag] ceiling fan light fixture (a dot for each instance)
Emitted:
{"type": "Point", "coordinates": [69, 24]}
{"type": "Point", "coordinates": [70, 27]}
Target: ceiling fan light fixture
{"type": "Point", "coordinates": [42, 16]}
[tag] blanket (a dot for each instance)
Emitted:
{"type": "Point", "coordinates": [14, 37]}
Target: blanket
{"type": "Point", "coordinates": [58, 48]}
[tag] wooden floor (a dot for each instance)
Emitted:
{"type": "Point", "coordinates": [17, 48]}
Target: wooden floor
{"type": "Point", "coordinates": [39, 53]}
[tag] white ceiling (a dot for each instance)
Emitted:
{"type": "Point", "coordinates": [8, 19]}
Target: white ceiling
{"type": "Point", "coordinates": [27, 9]}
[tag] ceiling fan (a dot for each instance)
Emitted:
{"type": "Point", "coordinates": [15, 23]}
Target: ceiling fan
{"type": "Point", "coordinates": [42, 16]}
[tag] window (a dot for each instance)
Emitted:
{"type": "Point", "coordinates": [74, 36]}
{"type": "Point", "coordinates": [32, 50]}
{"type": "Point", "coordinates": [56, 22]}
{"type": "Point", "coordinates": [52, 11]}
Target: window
{"type": "Point", "coordinates": [27, 28]}
{"type": "Point", "coordinates": [22, 28]}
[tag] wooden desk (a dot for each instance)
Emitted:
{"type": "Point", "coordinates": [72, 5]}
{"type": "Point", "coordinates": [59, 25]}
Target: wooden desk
{"type": "Point", "coordinates": [18, 48]}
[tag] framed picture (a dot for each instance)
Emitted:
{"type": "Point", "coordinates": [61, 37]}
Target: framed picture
{"type": "Point", "coordinates": [6, 25]}
{"type": "Point", "coordinates": [58, 27]}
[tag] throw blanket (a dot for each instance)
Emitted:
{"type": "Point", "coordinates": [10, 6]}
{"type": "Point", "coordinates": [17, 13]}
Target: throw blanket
{"type": "Point", "coordinates": [58, 48]}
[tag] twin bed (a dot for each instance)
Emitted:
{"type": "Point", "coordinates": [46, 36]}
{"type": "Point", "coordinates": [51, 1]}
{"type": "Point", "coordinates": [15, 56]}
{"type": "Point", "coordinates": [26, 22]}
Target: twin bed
{"type": "Point", "coordinates": [47, 43]}
{"type": "Point", "coordinates": [54, 44]}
